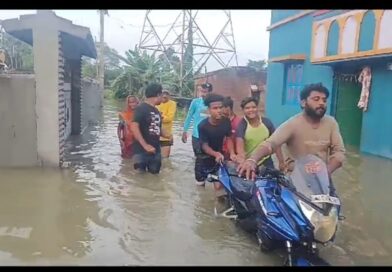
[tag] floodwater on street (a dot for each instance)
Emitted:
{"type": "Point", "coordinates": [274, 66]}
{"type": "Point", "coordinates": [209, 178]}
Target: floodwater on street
{"type": "Point", "coordinates": [100, 212]}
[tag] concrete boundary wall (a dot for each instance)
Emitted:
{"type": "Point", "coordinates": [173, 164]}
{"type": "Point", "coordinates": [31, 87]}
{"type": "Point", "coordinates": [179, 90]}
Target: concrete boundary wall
{"type": "Point", "coordinates": [91, 102]}
{"type": "Point", "coordinates": [18, 126]}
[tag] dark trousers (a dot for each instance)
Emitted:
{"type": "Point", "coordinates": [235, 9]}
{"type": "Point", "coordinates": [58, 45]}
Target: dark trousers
{"type": "Point", "coordinates": [148, 162]}
{"type": "Point", "coordinates": [204, 164]}
{"type": "Point", "coordinates": [196, 146]}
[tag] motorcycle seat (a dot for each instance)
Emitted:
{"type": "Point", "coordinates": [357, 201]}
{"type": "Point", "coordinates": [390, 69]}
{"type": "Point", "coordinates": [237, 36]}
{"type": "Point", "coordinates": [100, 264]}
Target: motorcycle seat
{"type": "Point", "coordinates": [242, 189]}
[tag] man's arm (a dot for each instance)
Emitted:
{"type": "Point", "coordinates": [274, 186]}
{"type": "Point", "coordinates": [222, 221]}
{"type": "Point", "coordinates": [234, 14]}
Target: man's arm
{"type": "Point", "coordinates": [278, 150]}
{"type": "Point", "coordinates": [337, 150]}
{"type": "Point", "coordinates": [229, 141]}
{"type": "Point", "coordinates": [187, 121]}
{"type": "Point", "coordinates": [189, 116]}
{"type": "Point", "coordinates": [279, 155]}
{"type": "Point", "coordinates": [280, 136]}
{"type": "Point", "coordinates": [239, 140]}
{"type": "Point", "coordinates": [230, 147]}
{"type": "Point", "coordinates": [135, 128]}
{"type": "Point", "coordinates": [209, 151]}
{"type": "Point", "coordinates": [137, 134]}
{"type": "Point", "coordinates": [240, 146]}
{"type": "Point", "coordinates": [203, 137]}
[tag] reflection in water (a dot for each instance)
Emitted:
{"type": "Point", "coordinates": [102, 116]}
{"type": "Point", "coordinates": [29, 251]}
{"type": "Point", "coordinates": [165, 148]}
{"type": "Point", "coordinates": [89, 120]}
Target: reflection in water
{"type": "Point", "coordinates": [100, 212]}
{"type": "Point", "coordinates": [364, 184]}
{"type": "Point", "coordinates": [44, 214]}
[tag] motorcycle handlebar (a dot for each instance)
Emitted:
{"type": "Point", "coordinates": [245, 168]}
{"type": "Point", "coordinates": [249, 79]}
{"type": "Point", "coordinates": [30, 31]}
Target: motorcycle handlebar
{"type": "Point", "coordinates": [261, 171]}
{"type": "Point", "coordinates": [265, 171]}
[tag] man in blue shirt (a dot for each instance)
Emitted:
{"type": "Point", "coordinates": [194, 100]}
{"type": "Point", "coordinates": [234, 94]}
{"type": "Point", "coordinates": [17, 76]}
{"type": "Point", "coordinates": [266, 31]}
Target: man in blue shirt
{"type": "Point", "coordinates": [197, 112]}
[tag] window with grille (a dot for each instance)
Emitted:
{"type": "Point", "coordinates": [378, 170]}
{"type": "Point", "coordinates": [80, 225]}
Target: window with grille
{"type": "Point", "coordinates": [293, 84]}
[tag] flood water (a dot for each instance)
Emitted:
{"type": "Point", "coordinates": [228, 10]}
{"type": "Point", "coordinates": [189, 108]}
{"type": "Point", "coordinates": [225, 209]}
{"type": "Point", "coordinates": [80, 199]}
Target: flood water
{"type": "Point", "coordinates": [100, 212]}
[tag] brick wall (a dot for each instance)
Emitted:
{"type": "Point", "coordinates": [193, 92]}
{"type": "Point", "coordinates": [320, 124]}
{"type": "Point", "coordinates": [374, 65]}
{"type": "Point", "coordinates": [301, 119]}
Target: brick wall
{"type": "Point", "coordinates": [235, 82]}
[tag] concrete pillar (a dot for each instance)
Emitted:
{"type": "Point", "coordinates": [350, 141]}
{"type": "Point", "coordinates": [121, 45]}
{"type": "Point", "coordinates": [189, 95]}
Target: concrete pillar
{"type": "Point", "coordinates": [46, 62]}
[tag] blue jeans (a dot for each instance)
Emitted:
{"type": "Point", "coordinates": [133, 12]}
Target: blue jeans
{"type": "Point", "coordinates": [148, 162]}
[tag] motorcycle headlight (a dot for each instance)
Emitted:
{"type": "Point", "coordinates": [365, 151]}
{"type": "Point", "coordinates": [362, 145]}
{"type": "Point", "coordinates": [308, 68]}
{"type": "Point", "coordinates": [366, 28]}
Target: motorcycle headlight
{"type": "Point", "coordinates": [324, 226]}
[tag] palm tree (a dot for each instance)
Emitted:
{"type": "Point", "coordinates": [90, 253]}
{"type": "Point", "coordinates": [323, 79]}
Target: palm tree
{"type": "Point", "coordinates": [141, 69]}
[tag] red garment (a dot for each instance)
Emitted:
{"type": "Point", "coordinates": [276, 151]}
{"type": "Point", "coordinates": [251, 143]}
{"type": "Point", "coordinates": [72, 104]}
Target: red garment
{"type": "Point", "coordinates": [234, 124]}
{"type": "Point", "coordinates": [127, 117]}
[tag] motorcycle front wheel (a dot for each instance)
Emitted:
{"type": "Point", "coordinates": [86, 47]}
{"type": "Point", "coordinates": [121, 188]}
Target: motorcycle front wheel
{"type": "Point", "coordinates": [266, 244]}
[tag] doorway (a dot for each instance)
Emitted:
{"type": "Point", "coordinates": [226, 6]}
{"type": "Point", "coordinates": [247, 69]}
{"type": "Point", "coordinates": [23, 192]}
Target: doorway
{"type": "Point", "coordinates": [347, 114]}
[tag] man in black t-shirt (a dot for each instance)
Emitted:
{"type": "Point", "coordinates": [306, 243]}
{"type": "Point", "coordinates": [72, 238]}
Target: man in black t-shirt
{"type": "Point", "coordinates": [147, 129]}
{"type": "Point", "coordinates": [212, 131]}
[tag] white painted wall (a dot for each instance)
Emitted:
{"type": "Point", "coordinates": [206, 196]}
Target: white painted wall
{"type": "Point", "coordinates": [320, 42]}
{"type": "Point", "coordinates": [385, 38]}
{"type": "Point", "coordinates": [348, 35]}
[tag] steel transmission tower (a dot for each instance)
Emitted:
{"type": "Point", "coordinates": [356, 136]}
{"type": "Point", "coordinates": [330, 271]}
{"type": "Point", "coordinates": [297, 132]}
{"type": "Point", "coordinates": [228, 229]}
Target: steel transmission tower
{"type": "Point", "coordinates": [185, 39]}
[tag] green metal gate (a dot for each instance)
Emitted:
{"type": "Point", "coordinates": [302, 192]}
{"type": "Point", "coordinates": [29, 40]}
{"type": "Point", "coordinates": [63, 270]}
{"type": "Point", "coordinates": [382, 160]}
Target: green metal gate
{"type": "Point", "coordinates": [347, 114]}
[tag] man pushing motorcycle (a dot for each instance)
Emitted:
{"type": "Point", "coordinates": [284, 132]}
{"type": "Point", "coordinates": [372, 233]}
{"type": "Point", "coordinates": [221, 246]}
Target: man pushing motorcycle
{"type": "Point", "coordinates": [309, 132]}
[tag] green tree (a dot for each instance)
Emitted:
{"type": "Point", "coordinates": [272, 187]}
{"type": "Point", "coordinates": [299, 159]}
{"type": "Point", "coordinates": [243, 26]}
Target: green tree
{"type": "Point", "coordinates": [258, 65]}
{"type": "Point", "coordinates": [141, 69]}
{"type": "Point", "coordinates": [89, 68]}
{"type": "Point", "coordinates": [112, 65]}
{"type": "Point", "coordinates": [170, 61]}
{"type": "Point", "coordinates": [111, 56]}
{"type": "Point", "coordinates": [19, 54]}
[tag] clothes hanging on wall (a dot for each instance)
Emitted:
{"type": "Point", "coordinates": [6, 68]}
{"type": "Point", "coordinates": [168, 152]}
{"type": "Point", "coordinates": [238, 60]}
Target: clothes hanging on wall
{"type": "Point", "coordinates": [365, 79]}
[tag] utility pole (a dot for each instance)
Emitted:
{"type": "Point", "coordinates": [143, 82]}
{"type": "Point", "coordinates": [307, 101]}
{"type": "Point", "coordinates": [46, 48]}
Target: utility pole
{"type": "Point", "coordinates": [101, 74]}
{"type": "Point", "coordinates": [182, 52]}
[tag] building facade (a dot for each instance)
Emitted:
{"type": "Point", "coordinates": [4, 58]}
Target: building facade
{"type": "Point", "coordinates": [54, 102]}
{"type": "Point", "coordinates": [236, 82]}
{"type": "Point", "coordinates": [349, 52]}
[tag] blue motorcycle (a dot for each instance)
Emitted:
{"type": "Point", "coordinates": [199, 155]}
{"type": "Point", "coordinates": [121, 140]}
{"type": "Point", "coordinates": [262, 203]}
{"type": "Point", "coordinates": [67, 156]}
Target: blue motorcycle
{"type": "Point", "coordinates": [294, 213]}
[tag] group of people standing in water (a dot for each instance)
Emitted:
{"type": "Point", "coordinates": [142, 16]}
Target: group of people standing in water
{"type": "Point", "coordinates": [145, 132]}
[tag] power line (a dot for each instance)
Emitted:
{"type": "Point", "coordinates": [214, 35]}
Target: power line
{"type": "Point", "coordinates": [137, 26]}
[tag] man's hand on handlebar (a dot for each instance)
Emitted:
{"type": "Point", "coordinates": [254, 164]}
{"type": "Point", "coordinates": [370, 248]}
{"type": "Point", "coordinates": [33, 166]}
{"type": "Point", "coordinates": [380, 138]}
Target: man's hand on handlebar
{"type": "Point", "coordinates": [219, 158]}
{"type": "Point", "coordinates": [248, 167]}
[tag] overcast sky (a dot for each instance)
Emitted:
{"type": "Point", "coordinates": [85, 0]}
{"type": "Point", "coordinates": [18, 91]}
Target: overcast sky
{"type": "Point", "coordinates": [123, 27]}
